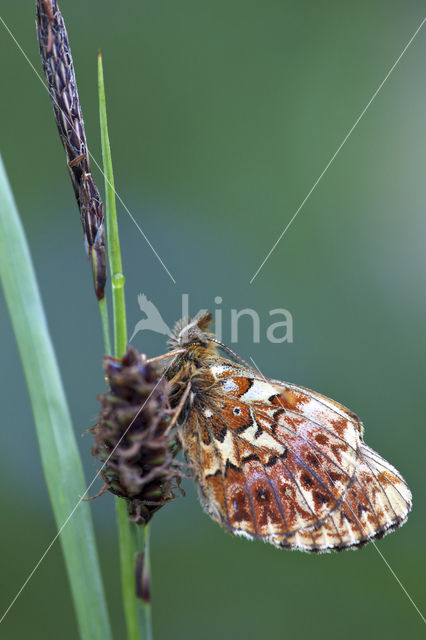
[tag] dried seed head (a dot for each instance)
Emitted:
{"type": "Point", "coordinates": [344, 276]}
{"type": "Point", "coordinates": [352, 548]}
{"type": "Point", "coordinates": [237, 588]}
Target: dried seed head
{"type": "Point", "coordinates": [131, 437]}
{"type": "Point", "coordinates": [58, 68]}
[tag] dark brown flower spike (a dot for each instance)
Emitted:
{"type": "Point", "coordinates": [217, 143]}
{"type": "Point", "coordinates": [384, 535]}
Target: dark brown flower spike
{"type": "Point", "coordinates": [59, 71]}
{"type": "Point", "coordinates": [133, 437]}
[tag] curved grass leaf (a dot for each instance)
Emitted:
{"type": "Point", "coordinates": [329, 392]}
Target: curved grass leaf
{"type": "Point", "coordinates": [59, 454]}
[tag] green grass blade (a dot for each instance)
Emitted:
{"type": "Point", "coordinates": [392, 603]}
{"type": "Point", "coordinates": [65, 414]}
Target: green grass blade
{"type": "Point", "coordinates": [137, 613]}
{"type": "Point", "coordinates": [59, 454]}
{"type": "Point", "coordinates": [113, 241]}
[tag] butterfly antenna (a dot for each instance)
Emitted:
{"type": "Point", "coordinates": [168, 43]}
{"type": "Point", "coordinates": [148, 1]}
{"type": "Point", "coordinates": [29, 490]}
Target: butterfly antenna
{"type": "Point", "coordinates": [224, 346]}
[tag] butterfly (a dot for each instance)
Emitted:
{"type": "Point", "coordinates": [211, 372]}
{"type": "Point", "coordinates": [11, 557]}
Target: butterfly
{"type": "Point", "coordinates": [275, 461]}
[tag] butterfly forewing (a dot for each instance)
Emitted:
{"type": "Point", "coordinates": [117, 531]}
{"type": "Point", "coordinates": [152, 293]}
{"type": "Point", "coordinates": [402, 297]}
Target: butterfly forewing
{"type": "Point", "coordinates": [284, 464]}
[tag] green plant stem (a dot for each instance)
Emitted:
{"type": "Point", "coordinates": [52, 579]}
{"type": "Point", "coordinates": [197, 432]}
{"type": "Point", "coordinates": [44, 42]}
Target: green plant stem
{"type": "Point", "coordinates": [145, 607]}
{"type": "Point", "coordinates": [103, 308]}
{"type": "Point", "coordinates": [137, 614]}
{"type": "Point", "coordinates": [59, 453]}
{"type": "Point", "coordinates": [127, 546]}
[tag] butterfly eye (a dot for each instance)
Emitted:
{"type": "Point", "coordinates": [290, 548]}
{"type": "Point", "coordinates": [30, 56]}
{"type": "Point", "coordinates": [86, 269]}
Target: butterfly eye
{"type": "Point", "coordinates": [237, 411]}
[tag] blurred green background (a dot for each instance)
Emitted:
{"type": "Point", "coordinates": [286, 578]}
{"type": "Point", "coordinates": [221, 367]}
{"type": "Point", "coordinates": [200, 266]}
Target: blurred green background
{"type": "Point", "coordinates": [222, 115]}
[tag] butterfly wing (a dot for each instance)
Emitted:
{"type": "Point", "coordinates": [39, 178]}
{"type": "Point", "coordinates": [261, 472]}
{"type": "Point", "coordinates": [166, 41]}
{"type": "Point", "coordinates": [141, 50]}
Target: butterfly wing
{"type": "Point", "coordinates": [284, 464]}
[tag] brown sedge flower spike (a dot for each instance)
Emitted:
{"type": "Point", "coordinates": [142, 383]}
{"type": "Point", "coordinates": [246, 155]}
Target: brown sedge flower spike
{"type": "Point", "coordinates": [134, 436]}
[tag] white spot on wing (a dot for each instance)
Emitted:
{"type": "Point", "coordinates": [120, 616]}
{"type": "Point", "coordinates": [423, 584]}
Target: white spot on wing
{"type": "Point", "coordinates": [243, 534]}
{"type": "Point", "coordinates": [229, 385]}
{"type": "Point", "coordinates": [259, 391]}
{"type": "Point", "coordinates": [227, 449]}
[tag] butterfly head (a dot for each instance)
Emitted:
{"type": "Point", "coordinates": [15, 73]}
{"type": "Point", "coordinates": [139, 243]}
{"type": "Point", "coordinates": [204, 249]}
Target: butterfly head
{"type": "Point", "coordinates": [191, 333]}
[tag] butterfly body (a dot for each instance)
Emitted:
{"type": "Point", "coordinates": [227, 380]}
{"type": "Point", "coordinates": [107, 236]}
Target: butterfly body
{"type": "Point", "coordinates": [275, 461]}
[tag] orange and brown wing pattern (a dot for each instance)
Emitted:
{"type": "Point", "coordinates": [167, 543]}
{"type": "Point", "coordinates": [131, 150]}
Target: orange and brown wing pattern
{"type": "Point", "coordinates": [284, 464]}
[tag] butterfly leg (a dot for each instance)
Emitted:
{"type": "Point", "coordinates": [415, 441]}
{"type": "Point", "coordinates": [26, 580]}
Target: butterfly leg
{"type": "Point", "coordinates": [179, 407]}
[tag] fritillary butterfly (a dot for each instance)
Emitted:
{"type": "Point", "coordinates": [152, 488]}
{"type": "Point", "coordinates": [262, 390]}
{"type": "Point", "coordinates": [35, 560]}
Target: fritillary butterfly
{"type": "Point", "coordinates": [275, 461]}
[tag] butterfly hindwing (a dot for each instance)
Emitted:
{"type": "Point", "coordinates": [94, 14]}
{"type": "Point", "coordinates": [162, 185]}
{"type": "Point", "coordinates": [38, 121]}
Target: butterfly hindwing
{"type": "Point", "coordinates": [284, 464]}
